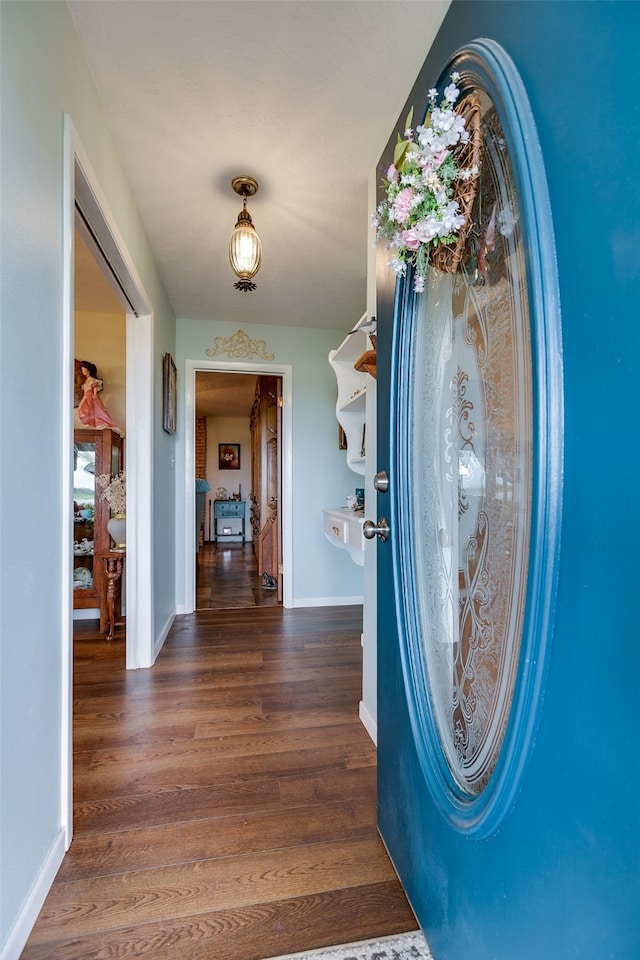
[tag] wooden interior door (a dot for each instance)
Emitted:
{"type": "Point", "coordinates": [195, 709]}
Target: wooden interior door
{"type": "Point", "coordinates": [278, 472]}
{"type": "Point", "coordinates": [267, 473]}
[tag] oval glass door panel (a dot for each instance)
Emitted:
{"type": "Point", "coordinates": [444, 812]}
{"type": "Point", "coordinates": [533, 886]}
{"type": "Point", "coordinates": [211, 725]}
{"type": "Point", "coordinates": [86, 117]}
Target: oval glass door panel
{"type": "Point", "coordinates": [470, 472]}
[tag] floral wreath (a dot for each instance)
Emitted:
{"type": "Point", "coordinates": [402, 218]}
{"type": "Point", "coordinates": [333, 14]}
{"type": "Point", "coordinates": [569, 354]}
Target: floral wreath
{"type": "Point", "coordinates": [420, 212]}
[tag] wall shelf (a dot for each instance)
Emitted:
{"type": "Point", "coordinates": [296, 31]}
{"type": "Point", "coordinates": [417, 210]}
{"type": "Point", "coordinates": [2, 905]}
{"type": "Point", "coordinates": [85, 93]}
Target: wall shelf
{"type": "Point", "coordinates": [343, 528]}
{"type": "Point", "coordinates": [352, 391]}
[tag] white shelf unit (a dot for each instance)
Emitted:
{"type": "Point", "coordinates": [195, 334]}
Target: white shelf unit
{"type": "Point", "coordinates": [343, 528]}
{"type": "Point", "coordinates": [352, 390]}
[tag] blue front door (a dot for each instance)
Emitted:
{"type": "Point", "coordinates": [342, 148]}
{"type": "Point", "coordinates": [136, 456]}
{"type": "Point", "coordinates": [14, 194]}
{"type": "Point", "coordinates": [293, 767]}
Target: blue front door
{"type": "Point", "coordinates": [471, 429]}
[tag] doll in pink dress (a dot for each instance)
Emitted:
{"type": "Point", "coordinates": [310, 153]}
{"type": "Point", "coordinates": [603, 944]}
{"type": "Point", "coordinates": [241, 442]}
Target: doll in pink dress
{"type": "Point", "coordinates": [91, 410]}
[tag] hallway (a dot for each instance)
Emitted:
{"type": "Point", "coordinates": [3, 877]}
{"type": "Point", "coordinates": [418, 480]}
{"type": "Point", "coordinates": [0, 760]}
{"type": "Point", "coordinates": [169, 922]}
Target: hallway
{"type": "Point", "coordinates": [225, 799]}
{"type": "Point", "coordinates": [227, 577]}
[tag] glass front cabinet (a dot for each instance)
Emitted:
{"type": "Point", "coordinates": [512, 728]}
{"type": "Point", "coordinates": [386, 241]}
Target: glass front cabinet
{"type": "Point", "coordinates": [96, 452]}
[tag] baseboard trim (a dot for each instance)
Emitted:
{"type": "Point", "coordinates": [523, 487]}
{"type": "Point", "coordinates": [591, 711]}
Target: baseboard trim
{"type": "Point", "coordinates": [27, 917]}
{"type": "Point", "coordinates": [90, 614]}
{"type": "Point", "coordinates": [368, 722]}
{"type": "Point", "coordinates": [327, 602]}
{"type": "Point", "coordinates": [162, 636]}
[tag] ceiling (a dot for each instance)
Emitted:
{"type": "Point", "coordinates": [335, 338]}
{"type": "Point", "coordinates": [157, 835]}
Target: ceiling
{"type": "Point", "coordinates": [225, 394]}
{"type": "Point", "coordinates": [302, 96]}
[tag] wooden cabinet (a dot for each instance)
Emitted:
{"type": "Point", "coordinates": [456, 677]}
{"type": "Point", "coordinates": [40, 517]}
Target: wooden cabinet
{"type": "Point", "coordinates": [96, 452]}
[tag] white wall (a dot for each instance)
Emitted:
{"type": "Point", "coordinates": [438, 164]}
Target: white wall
{"type": "Point", "coordinates": [229, 430]}
{"type": "Point", "coordinates": [44, 76]}
{"type": "Point", "coordinates": [321, 477]}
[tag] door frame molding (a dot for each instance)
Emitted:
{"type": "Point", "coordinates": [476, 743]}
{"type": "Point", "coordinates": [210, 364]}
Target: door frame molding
{"type": "Point", "coordinates": [81, 183]}
{"type": "Point", "coordinates": [284, 370]}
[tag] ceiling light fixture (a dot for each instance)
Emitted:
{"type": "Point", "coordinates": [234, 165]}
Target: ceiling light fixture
{"type": "Point", "coordinates": [245, 249]}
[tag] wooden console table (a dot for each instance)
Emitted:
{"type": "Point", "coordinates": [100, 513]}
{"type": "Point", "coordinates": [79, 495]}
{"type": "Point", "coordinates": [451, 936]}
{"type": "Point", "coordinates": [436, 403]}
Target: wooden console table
{"type": "Point", "coordinates": [111, 599]}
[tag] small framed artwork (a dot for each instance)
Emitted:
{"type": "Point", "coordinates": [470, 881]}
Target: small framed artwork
{"type": "Point", "coordinates": [169, 394]}
{"type": "Point", "coordinates": [228, 456]}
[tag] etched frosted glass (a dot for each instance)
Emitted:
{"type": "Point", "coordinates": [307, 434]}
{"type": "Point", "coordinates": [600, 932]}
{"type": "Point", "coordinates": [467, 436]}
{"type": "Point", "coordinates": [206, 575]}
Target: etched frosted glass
{"type": "Point", "coordinates": [470, 471]}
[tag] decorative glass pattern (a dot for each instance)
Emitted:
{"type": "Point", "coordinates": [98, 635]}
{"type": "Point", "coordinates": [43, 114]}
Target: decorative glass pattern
{"type": "Point", "coordinates": [470, 471]}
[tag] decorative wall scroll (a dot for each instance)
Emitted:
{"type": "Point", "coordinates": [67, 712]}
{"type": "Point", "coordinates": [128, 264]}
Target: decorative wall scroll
{"type": "Point", "coordinates": [240, 346]}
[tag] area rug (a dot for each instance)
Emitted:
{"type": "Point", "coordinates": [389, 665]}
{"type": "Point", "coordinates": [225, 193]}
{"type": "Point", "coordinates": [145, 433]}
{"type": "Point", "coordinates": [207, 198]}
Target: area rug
{"type": "Point", "coordinates": [406, 946]}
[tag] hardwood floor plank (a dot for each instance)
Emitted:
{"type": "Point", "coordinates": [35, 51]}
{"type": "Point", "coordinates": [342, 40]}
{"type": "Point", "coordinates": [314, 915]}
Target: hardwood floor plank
{"type": "Point", "coordinates": [178, 891]}
{"type": "Point", "coordinates": [225, 799]}
{"type": "Point", "coordinates": [249, 832]}
{"type": "Point", "coordinates": [150, 759]}
{"type": "Point", "coordinates": [125, 812]}
{"type": "Point", "coordinates": [129, 780]}
{"type": "Point", "coordinates": [283, 926]}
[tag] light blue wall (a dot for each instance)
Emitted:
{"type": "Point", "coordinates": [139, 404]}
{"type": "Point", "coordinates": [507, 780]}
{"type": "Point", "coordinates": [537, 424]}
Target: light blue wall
{"type": "Point", "coordinates": [44, 76]}
{"type": "Point", "coordinates": [321, 477]}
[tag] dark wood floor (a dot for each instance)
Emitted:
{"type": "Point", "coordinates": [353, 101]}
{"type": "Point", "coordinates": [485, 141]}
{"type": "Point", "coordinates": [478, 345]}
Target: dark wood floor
{"type": "Point", "coordinates": [225, 799]}
{"type": "Point", "coordinates": [227, 576]}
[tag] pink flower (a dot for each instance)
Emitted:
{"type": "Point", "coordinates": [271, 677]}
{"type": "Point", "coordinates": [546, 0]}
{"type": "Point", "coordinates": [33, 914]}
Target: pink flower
{"type": "Point", "coordinates": [392, 174]}
{"type": "Point", "coordinates": [440, 157]}
{"type": "Point", "coordinates": [402, 204]}
{"type": "Point", "coordinates": [410, 239]}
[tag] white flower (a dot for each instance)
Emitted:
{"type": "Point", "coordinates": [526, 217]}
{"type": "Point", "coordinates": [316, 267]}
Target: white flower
{"type": "Point", "coordinates": [427, 229]}
{"type": "Point", "coordinates": [114, 491]}
{"type": "Point", "coordinates": [451, 93]}
{"type": "Point", "coordinates": [399, 267]}
{"type": "Point", "coordinates": [468, 173]}
{"type": "Point", "coordinates": [451, 219]}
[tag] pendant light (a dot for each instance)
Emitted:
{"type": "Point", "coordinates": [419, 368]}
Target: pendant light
{"type": "Point", "coordinates": [245, 249]}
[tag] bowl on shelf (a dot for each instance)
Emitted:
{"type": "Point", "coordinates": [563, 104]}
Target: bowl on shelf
{"type": "Point", "coordinates": [86, 514]}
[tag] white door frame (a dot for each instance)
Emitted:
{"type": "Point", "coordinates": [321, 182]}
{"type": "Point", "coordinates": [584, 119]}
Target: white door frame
{"type": "Point", "coordinates": [80, 181]}
{"type": "Point", "coordinates": [284, 370]}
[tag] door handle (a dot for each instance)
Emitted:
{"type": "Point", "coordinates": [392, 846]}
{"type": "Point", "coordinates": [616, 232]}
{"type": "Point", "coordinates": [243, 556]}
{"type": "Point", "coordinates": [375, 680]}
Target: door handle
{"type": "Point", "coordinates": [370, 530]}
{"type": "Point", "coordinates": [381, 481]}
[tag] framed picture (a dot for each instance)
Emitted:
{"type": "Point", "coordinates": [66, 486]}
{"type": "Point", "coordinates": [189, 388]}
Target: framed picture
{"type": "Point", "coordinates": [228, 456]}
{"type": "Point", "coordinates": [169, 394]}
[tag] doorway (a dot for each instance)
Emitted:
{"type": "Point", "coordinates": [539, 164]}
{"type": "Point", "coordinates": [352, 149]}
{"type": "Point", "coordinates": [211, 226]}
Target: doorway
{"type": "Point", "coordinates": [238, 468]}
{"type": "Point", "coordinates": [98, 449]}
{"type": "Point", "coordinates": [283, 373]}
{"type": "Point", "coordinates": [82, 192]}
